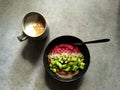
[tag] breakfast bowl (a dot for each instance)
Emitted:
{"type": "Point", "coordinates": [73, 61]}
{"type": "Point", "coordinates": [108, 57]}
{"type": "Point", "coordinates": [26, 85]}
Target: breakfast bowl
{"type": "Point", "coordinates": [65, 61]}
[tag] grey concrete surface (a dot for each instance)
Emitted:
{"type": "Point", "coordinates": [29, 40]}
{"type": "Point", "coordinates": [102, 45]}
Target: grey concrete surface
{"type": "Point", "coordinates": [21, 63]}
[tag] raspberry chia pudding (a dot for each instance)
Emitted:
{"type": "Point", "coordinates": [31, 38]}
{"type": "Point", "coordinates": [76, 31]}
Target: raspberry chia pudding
{"type": "Point", "coordinates": [66, 60]}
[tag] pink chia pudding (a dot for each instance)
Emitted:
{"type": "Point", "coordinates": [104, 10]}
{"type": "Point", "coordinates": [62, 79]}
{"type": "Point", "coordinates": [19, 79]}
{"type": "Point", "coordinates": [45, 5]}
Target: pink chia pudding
{"type": "Point", "coordinates": [66, 60]}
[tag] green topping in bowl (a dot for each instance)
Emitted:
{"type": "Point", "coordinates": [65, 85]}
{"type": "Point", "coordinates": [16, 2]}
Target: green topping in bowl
{"type": "Point", "coordinates": [66, 62]}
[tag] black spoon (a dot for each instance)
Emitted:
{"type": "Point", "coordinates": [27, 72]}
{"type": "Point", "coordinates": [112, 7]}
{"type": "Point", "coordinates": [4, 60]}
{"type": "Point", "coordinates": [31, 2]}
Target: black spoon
{"type": "Point", "coordinates": [94, 41]}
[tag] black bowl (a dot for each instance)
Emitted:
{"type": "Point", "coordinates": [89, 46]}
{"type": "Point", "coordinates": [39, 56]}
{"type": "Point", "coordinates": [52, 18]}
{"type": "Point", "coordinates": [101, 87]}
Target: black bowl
{"type": "Point", "coordinates": [67, 39]}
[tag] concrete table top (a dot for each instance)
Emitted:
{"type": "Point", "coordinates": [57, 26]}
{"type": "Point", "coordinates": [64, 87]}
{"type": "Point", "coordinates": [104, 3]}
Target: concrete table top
{"type": "Point", "coordinates": [21, 63]}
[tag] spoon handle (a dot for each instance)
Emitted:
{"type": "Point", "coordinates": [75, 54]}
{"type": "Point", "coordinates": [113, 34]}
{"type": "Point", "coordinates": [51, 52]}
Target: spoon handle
{"type": "Point", "coordinates": [94, 41]}
{"type": "Point", "coordinates": [97, 41]}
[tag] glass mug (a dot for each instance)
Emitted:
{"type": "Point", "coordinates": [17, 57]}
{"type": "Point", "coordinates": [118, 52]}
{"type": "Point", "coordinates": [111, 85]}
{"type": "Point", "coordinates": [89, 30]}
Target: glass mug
{"type": "Point", "coordinates": [34, 26]}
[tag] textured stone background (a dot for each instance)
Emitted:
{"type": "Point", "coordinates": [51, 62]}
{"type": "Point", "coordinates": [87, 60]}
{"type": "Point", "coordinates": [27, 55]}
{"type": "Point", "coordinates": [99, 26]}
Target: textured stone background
{"type": "Point", "coordinates": [21, 63]}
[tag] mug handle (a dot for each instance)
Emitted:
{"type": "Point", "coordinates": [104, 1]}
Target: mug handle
{"type": "Point", "coordinates": [22, 37]}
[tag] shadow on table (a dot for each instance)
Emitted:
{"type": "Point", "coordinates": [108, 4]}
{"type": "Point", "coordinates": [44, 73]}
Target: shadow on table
{"type": "Point", "coordinates": [57, 85]}
{"type": "Point", "coordinates": [33, 50]}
